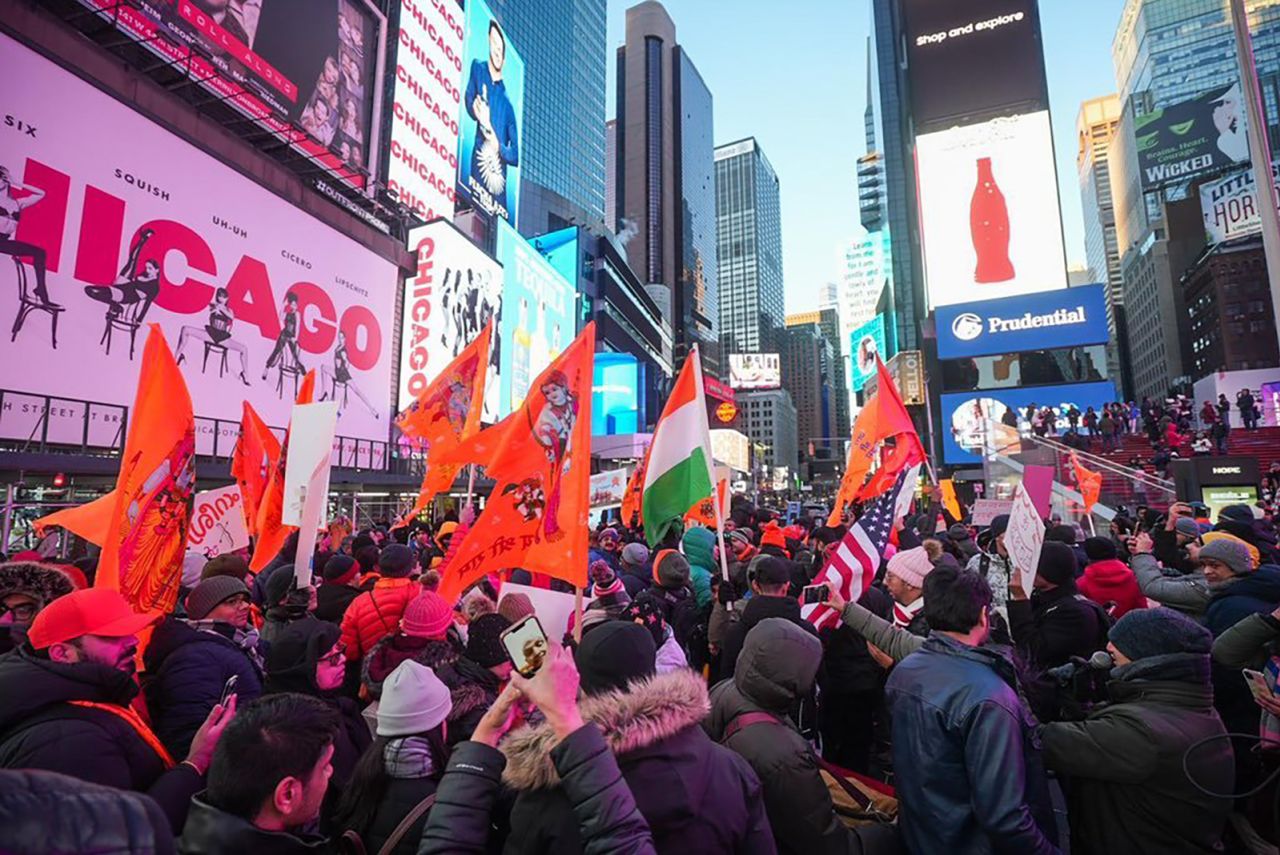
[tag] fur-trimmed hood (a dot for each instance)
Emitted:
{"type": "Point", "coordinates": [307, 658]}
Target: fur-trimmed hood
{"type": "Point", "coordinates": [652, 710]}
{"type": "Point", "coordinates": [42, 583]}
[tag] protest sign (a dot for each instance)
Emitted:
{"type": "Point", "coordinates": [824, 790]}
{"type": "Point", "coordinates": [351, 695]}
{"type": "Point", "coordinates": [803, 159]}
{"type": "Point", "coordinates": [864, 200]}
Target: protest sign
{"type": "Point", "coordinates": [217, 522]}
{"type": "Point", "coordinates": [1024, 537]}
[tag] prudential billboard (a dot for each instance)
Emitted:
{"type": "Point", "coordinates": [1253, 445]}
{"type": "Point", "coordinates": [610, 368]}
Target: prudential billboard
{"type": "Point", "coordinates": [1066, 318]}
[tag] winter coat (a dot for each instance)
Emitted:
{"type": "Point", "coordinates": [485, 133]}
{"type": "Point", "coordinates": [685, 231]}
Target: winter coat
{"type": "Point", "coordinates": [602, 803]}
{"type": "Point", "coordinates": [757, 610]}
{"type": "Point", "coordinates": [1054, 625]}
{"type": "Point", "coordinates": [696, 796]}
{"type": "Point", "coordinates": [187, 669]}
{"type": "Point", "coordinates": [1189, 594]}
{"type": "Point", "coordinates": [698, 545]}
{"type": "Point", "coordinates": [332, 601]}
{"type": "Point", "coordinates": [472, 689]}
{"type": "Point", "coordinates": [388, 653]}
{"type": "Point", "coordinates": [402, 794]}
{"type": "Point", "coordinates": [670, 655]}
{"type": "Point", "coordinates": [1246, 644]}
{"type": "Point", "coordinates": [280, 618]}
{"type": "Point", "coordinates": [1257, 593]}
{"type": "Point", "coordinates": [1128, 791]}
{"type": "Point", "coordinates": [216, 832]}
{"type": "Point", "coordinates": [847, 666]}
{"type": "Point", "coordinates": [39, 729]}
{"type": "Point", "coordinates": [1111, 581]}
{"type": "Point", "coordinates": [376, 614]}
{"type": "Point", "coordinates": [967, 766]}
{"type": "Point", "coordinates": [1260, 534]}
{"type": "Point", "coordinates": [776, 670]}
{"type": "Point", "coordinates": [90, 818]}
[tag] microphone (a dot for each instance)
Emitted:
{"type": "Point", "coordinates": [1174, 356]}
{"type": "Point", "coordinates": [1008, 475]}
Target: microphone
{"type": "Point", "coordinates": [1100, 661]}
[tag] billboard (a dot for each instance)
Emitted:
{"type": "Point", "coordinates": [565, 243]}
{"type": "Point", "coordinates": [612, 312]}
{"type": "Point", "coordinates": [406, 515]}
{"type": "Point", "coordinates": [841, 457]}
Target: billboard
{"type": "Point", "coordinates": [989, 217]}
{"type": "Point", "coordinates": [1203, 133]}
{"type": "Point", "coordinates": [1066, 318]}
{"type": "Point", "coordinates": [141, 227]}
{"type": "Point", "coordinates": [966, 416]}
{"type": "Point", "coordinates": [1230, 205]}
{"type": "Point", "coordinates": [456, 291]}
{"type": "Point", "coordinates": [615, 394]}
{"type": "Point", "coordinates": [308, 72]}
{"type": "Point", "coordinates": [607, 489]}
{"type": "Point", "coordinates": [865, 343]}
{"type": "Point", "coordinates": [969, 57]}
{"type": "Point", "coordinates": [755, 370]}
{"type": "Point", "coordinates": [539, 319]}
{"type": "Point", "coordinates": [423, 166]}
{"type": "Point", "coordinates": [731, 448]}
{"type": "Point", "coordinates": [489, 139]}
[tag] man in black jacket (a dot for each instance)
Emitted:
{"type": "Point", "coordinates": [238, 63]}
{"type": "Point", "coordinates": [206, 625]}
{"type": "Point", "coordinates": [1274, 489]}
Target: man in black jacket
{"type": "Point", "coordinates": [769, 599]}
{"type": "Point", "coordinates": [89, 817]}
{"type": "Point", "coordinates": [1056, 623]}
{"type": "Point", "coordinates": [64, 704]}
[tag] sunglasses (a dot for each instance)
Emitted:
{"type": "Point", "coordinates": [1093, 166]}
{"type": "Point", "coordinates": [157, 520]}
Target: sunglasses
{"type": "Point", "coordinates": [335, 658]}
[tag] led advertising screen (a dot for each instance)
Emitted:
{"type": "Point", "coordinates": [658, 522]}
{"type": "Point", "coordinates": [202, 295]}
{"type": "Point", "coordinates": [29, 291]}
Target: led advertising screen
{"type": "Point", "coordinates": [456, 291]}
{"type": "Point", "coordinates": [309, 71]}
{"type": "Point", "coordinates": [538, 316]}
{"type": "Point", "coordinates": [139, 228]}
{"type": "Point", "coordinates": [966, 416]}
{"type": "Point", "coordinates": [1207, 132]}
{"type": "Point", "coordinates": [755, 370]}
{"type": "Point", "coordinates": [1065, 318]}
{"type": "Point", "coordinates": [423, 167]}
{"type": "Point", "coordinates": [865, 343]}
{"type": "Point", "coordinates": [560, 249]}
{"type": "Point", "coordinates": [989, 210]}
{"type": "Point", "coordinates": [969, 57]}
{"type": "Point", "coordinates": [615, 394]}
{"type": "Point", "coordinates": [492, 123]}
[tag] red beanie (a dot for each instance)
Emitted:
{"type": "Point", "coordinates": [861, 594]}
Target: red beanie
{"type": "Point", "coordinates": [427, 616]}
{"type": "Point", "coordinates": [771, 535]}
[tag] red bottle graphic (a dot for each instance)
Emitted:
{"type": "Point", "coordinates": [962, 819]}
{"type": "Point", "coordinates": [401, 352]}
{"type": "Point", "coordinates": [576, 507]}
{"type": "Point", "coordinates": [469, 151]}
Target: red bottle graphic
{"type": "Point", "coordinates": [989, 228]}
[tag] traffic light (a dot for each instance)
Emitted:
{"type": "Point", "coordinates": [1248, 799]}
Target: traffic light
{"type": "Point", "coordinates": [60, 479]}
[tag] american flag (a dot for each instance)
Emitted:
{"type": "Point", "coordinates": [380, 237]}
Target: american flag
{"type": "Point", "coordinates": [855, 560]}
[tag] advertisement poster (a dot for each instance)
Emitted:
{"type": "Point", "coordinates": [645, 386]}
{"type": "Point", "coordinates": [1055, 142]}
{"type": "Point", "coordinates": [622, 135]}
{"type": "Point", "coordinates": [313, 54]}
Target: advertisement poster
{"type": "Point", "coordinates": [309, 71]}
{"type": "Point", "coordinates": [493, 118]}
{"type": "Point", "coordinates": [1058, 319]}
{"type": "Point", "coordinates": [422, 170]}
{"type": "Point", "coordinates": [608, 488]}
{"type": "Point", "coordinates": [456, 291]}
{"type": "Point", "coordinates": [1203, 133]}
{"type": "Point", "coordinates": [615, 394]}
{"type": "Point", "coordinates": [865, 344]}
{"type": "Point", "coordinates": [755, 370]}
{"type": "Point", "coordinates": [1230, 205]}
{"type": "Point", "coordinates": [731, 448]}
{"type": "Point", "coordinates": [143, 228]}
{"type": "Point", "coordinates": [970, 418]}
{"type": "Point", "coordinates": [217, 522]}
{"type": "Point", "coordinates": [539, 317]}
{"type": "Point", "coordinates": [989, 210]}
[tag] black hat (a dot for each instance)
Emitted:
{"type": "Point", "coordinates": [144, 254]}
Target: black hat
{"type": "Point", "coordinates": [1057, 563]}
{"type": "Point", "coordinates": [999, 523]}
{"type": "Point", "coordinates": [613, 655]}
{"type": "Point", "coordinates": [292, 656]}
{"type": "Point", "coordinates": [340, 569]}
{"type": "Point", "coordinates": [1062, 534]}
{"type": "Point", "coordinates": [484, 645]}
{"type": "Point", "coordinates": [278, 584]}
{"type": "Point", "coordinates": [396, 561]}
{"type": "Point", "coordinates": [212, 592]}
{"type": "Point", "coordinates": [772, 570]}
{"type": "Point", "coordinates": [1100, 549]}
{"type": "Point", "coordinates": [1143, 633]}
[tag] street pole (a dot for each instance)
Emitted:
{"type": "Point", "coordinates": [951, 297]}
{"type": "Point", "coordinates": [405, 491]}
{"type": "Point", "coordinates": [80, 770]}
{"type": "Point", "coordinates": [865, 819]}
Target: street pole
{"type": "Point", "coordinates": [1259, 155]}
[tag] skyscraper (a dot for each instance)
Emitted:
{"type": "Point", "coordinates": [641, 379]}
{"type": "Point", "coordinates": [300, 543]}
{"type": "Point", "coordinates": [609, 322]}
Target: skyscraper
{"type": "Point", "coordinates": [749, 249]}
{"type": "Point", "coordinates": [563, 141]}
{"type": "Point", "coordinates": [666, 181]}
{"type": "Point", "coordinates": [610, 170]}
{"type": "Point", "coordinates": [826, 323]}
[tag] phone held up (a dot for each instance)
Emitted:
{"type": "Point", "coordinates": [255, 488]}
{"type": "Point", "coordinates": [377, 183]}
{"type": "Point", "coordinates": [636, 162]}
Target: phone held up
{"type": "Point", "coordinates": [811, 594]}
{"type": "Point", "coordinates": [526, 645]}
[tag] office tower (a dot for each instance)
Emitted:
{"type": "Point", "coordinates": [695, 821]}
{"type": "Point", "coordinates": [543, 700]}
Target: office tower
{"type": "Point", "coordinates": [749, 249]}
{"type": "Point", "coordinates": [835, 378]}
{"type": "Point", "coordinates": [769, 417]}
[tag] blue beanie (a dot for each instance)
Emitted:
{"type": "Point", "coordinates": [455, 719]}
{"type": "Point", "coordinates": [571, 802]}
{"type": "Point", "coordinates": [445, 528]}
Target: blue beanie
{"type": "Point", "coordinates": [1143, 633]}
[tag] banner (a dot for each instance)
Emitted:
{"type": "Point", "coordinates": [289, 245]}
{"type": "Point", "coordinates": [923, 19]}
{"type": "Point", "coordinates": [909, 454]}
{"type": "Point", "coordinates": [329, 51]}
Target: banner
{"type": "Point", "coordinates": [1230, 205]}
{"type": "Point", "coordinates": [1053, 319]}
{"type": "Point", "coordinates": [608, 489]}
{"type": "Point", "coordinates": [985, 510]}
{"type": "Point", "coordinates": [141, 227]}
{"type": "Point", "coordinates": [217, 522]}
{"type": "Point", "coordinates": [1201, 134]}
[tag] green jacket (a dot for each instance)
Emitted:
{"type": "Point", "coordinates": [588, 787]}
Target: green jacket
{"type": "Point", "coordinates": [698, 545]}
{"type": "Point", "coordinates": [896, 642]}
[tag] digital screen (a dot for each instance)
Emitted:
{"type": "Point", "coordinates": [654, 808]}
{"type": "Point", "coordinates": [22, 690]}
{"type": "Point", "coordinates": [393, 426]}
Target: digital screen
{"type": "Point", "coordinates": [1029, 368]}
{"type": "Point", "coordinates": [865, 343]}
{"type": "Point", "coordinates": [989, 210]}
{"type": "Point", "coordinates": [970, 57]}
{"type": "Point", "coordinates": [561, 250]}
{"type": "Point", "coordinates": [968, 417]}
{"type": "Point", "coordinates": [492, 116]}
{"type": "Point", "coordinates": [615, 397]}
{"type": "Point", "coordinates": [1063, 318]}
{"type": "Point", "coordinates": [1207, 132]}
{"type": "Point", "coordinates": [755, 370]}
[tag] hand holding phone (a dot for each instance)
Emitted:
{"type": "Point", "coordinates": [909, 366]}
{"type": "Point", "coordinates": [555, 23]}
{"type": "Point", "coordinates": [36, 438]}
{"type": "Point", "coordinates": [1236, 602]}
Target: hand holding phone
{"type": "Point", "coordinates": [526, 645]}
{"type": "Point", "coordinates": [811, 594]}
{"type": "Point", "coordinates": [1259, 686]}
{"type": "Point", "coordinates": [229, 688]}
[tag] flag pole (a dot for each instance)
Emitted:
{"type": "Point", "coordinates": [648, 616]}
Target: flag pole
{"type": "Point", "coordinates": [724, 558]}
{"type": "Point", "coordinates": [577, 614]}
{"type": "Point", "coordinates": [471, 483]}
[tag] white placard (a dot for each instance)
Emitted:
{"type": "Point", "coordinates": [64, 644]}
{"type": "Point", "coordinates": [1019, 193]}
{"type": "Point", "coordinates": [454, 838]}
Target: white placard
{"type": "Point", "coordinates": [553, 608]}
{"type": "Point", "coordinates": [985, 510]}
{"type": "Point", "coordinates": [217, 522]}
{"type": "Point", "coordinates": [306, 477]}
{"type": "Point", "coordinates": [1024, 537]}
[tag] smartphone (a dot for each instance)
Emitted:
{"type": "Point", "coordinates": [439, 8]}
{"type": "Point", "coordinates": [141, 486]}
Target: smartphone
{"type": "Point", "coordinates": [810, 594]}
{"type": "Point", "coordinates": [229, 688]}
{"type": "Point", "coordinates": [1258, 684]}
{"type": "Point", "coordinates": [526, 645]}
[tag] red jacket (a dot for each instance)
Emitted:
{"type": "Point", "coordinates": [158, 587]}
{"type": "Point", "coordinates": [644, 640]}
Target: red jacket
{"type": "Point", "coordinates": [1112, 581]}
{"type": "Point", "coordinates": [376, 614]}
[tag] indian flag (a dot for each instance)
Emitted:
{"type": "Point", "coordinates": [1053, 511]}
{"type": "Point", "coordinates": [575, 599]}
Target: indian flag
{"type": "Point", "coordinates": [679, 472]}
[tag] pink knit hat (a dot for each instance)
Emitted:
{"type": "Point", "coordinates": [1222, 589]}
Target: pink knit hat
{"type": "Point", "coordinates": [911, 566]}
{"type": "Point", "coordinates": [427, 616]}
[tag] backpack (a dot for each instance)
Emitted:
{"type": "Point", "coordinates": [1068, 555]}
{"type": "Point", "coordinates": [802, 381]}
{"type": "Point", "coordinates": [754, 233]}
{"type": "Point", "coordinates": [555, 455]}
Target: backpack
{"type": "Point", "coordinates": [351, 843]}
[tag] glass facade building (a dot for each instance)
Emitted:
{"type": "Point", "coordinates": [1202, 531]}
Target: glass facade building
{"type": "Point", "coordinates": [749, 249]}
{"type": "Point", "coordinates": [697, 293]}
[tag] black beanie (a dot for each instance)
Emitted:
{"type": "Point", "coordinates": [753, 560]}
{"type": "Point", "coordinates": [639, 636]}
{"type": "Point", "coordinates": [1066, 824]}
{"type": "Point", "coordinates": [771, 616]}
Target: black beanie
{"type": "Point", "coordinates": [1057, 563]}
{"type": "Point", "coordinates": [278, 584]}
{"type": "Point", "coordinates": [484, 645]}
{"type": "Point", "coordinates": [1100, 549]}
{"type": "Point", "coordinates": [396, 561]}
{"type": "Point", "coordinates": [613, 655]}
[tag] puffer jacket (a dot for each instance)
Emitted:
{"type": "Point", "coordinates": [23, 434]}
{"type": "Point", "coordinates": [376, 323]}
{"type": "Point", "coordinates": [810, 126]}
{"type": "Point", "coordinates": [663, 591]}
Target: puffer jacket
{"type": "Point", "coordinates": [1128, 789]}
{"type": "Point", "coordinates": [1111, 581]}
{"type": "Point", "coordinates": [90, 818]}
{"type": "Point", "coordinates": [776, 669]}
{"type": "Point", "coordinates": [40, 729]}
{"type": "Point", "coordinates": [376, 614]}
{"type": "Point", "coordinates": [186, 672]}
{"type": "Point", "coordinates": [969, 776]}
{"type": "Point", "coordinates": [388, 653]}
{"type": "Point", "coordinates": [698, 545]}
{"type": "Point", "coordinates": [697, 796]}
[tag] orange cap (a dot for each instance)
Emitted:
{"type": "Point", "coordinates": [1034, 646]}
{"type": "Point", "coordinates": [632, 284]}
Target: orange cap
{"type": "Point", "coordinates": [93, 611]}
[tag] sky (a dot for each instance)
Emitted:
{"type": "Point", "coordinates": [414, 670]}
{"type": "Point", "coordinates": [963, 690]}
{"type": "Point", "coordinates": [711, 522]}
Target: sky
{"type": "Point", "coordinates": [797, 83]}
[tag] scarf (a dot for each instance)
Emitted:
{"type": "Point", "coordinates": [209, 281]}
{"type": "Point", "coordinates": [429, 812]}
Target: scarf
{"type": "Point", "coordinates": [245, 639]}
{"type": "Point", "coordinates": [409, 757]}
{"type": "Point", "coordinates": [903, 615]}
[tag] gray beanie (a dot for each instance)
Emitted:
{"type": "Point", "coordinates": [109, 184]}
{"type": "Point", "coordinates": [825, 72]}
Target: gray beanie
{"type": "Point", "coordinates": [1143, 633]}
{"type": "Point", "coordinates": [1230, 552]}
{"type": "Point", "coordinates": [635, 554]}
{"type": "Point", "coordinates": [413, 701]}
{"type": "Point", "coordinates": [212, 592]}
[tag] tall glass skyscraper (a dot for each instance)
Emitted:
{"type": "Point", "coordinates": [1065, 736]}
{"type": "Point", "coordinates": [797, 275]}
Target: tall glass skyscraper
{"type": "Point", "coordinates": [563, 136]}
{"type": "Point", "coordinates": [749, 248]}
{"type": "Point", "coordinates": [698, 294]}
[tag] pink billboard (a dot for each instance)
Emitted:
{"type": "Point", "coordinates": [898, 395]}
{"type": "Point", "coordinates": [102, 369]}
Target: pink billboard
{"type": "Point", "coordinates": [109, 223]}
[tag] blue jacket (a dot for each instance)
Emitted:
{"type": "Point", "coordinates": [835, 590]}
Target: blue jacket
{"type": "Point", "coordinates": [970, 779]}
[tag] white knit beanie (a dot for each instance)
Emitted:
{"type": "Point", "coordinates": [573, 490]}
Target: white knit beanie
{"type": "Point", "coordinates": [413, 701]}
{"type": "Point", "coordinates": [911, 566]}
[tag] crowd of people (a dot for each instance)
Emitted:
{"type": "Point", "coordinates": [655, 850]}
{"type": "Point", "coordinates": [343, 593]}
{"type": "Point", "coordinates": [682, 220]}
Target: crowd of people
{"type": "Point", "coordinates": [696, 708]}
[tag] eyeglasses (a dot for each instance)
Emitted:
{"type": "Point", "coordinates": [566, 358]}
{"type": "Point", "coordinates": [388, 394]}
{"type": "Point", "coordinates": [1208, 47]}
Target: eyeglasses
{"type": "Point", "coordinates": [335, 658]}
{"type": "Point", "coordinates": [22, 613]}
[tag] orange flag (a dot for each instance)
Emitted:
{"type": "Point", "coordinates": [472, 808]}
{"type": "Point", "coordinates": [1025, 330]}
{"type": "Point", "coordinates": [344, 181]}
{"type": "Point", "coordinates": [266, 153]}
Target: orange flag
{"type": "Point", "coordinates": [1090, 483]}
{"type": "Point", "coordinates": [540, 455]}
{"type": "Point", "coordinates": [705, 511]}
{"type": "Point", "coordinates": [446, 413]}
{"type": "Point", "coordinates": [271, 532]}
{"type": "Point", "coordinates": [146, 537]}
{"type": "Point", "coordinates": [635, 489]}
{"type": "Point", "coordinates": [90, 520]}
{"type": "Point", "coordinates": [255, 454]}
